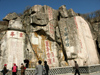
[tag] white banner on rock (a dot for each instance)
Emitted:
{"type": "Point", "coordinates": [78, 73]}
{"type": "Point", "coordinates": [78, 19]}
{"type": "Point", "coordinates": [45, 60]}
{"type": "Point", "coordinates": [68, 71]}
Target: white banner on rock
{"type": "Point", "coordinates": [15, 34]}
{"type": "Point", "coordinates": [15, 47]}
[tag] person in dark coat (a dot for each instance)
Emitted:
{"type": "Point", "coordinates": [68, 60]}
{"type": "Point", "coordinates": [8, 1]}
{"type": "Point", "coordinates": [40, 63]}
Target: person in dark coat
{"type": "Point", "coordinates": [22, 69]}
{"type": "Point", "coordinates": [5, 70]}
{"type": "Point", "coordinates": [76, 68]}
{"type": "Point", "coordinates": [46, 67]}
{"type": "Point", "coordinates": [14, 69]}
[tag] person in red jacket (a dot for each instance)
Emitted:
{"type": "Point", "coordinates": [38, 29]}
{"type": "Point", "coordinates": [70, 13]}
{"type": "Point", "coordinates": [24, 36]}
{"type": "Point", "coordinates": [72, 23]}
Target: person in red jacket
{"type": "Point", "coordinates": [14, 69]}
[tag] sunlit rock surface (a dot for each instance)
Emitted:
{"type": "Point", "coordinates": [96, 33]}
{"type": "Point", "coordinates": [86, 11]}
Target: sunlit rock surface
{"type": "Point", "coordinates": [42, 33]}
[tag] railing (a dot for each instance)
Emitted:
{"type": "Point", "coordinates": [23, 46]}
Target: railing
{"type": "Point", "coordinates": [89, 69]}
{"type": "Point", "coordinates": [95, 68]}
{"type": "Point", "coordinates": [62, 70]}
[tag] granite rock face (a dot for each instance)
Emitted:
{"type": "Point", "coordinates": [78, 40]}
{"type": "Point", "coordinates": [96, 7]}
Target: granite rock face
{"type": "Point", "coordinates": [10, 16]}
{"type": "Point", "coordinates": [35, 9]}
{"type": "Point", "coordinates": [15, 24]}
{"type": "Point", "coordinates": [57, 36]}
{"type": "Point", "coordinates": [71, 13]}
{"type": "Point", "coordinates": [63, 11]}
{"type": "Point", "coordinates": [39, 19]}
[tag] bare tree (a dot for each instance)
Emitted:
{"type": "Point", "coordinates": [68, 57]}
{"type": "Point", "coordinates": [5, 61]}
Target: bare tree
{"type": "Point", "coordinates": [92, 17]}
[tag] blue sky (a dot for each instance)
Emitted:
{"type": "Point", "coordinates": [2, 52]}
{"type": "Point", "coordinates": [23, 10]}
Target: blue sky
{"type": "Point", "coordinates": [18, 6]}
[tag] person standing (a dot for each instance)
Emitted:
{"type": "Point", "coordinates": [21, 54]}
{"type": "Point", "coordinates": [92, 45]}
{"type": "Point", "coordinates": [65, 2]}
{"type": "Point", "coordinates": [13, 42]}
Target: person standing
{"type": "Point", "coordinates": [5, 70]}
{"type": "Point", "coordinates": [14, 69]}
{"type": "Point", "coordinates": [22, 69]}
{"type": "Point", "coordinates": [76, 68]}
{"type": "Point", "coordinates": [39, 68]}
{"type": "Point", "coordinates": [46, 67]}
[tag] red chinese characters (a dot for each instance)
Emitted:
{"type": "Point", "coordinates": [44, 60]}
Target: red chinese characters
{"type": "Point", "coordinates": [49, 54]}
{"type": "Point", "coordinates": [21, 34]}
{"type": "Point", "coordinates": [15, 34]}
{"type": "Point", "coordinates": [52, 54]}
{"type": "Point", "coordinates": [50, 13]}
{"type": "Point", "coordinates": [47, 43]}
{"type": "Point", "coordinates": [49, 61]}
{"type": "Point", "coordinates": [47, 49]}
{"type": "Point", "coordinates": [51, 28]}
{"type": "Point", "coordinates": [12, 34]}
{"type": "Point", "coordinates": [78, 33]}
{"type": "Point", "coordinates": [53, 60]}
{"type": "Point", "coordinates": [81, 44]}
{"type": "Point", "coordinates": [53, 57]}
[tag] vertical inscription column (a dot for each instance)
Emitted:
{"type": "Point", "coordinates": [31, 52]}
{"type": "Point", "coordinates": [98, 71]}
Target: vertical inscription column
{"type": "Point", "coordinates": [49, 54]}
{"type": "Point", "coordinates": [79, 34]}
{"type": "Point", "coordinates": [51, 23]}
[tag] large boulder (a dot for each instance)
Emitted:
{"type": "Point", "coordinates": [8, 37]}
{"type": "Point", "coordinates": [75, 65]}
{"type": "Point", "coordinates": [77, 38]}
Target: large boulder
{"type": "Point", "coordinates": [52, 14]}
{"type": "Point", "coordinates": [71, 13]}
{"type": "Point", "coordinates": [10, 16]}
{"type": "Point", "coordinates": [39, 18]}
{"type": "Point", "coordinates": [34, 9]}
{"type": "Point", "coordinates": [15, 24]}
{"type": "Point", "coordinates": [68, 36]}
{"type": "Point", "coordinates": [63, 11]}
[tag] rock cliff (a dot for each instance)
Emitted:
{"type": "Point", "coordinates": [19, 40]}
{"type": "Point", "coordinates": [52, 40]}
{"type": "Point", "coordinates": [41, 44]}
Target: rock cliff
{"type": "Point", "coordinates": [57, 36]}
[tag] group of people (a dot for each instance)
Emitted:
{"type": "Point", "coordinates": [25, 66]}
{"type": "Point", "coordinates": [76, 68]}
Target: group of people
{"type": "Point", "coordinates": [40, 69]}
{"type": "Point", "coordinates": [43, 70]}
{"type": "Point", "coordinates": [14, 69]}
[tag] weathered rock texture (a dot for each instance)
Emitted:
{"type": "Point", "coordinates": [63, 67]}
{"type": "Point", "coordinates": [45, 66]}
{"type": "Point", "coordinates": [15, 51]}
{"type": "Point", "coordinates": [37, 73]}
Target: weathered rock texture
{"type": "Point", "coordinates": [57, 36]}
{"type": "Point", "coordinates": [11, 16]}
